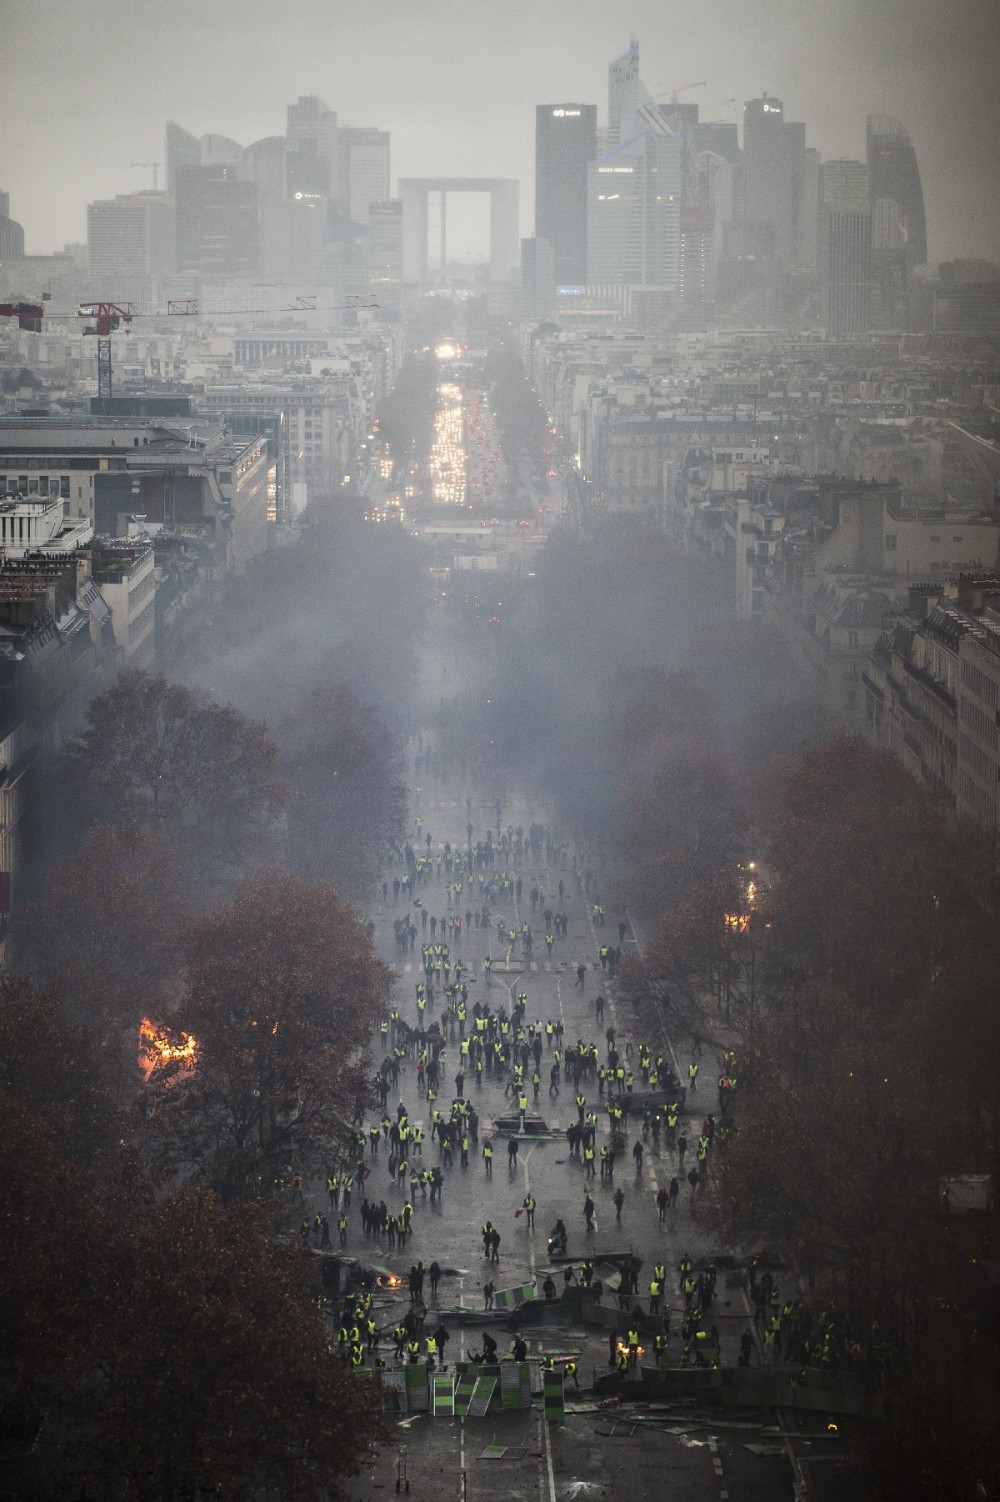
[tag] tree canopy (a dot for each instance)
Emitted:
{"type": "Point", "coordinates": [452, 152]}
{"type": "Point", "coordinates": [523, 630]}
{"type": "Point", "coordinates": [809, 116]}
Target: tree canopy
{"type": "Point", "coordinates": [282, 987]}
{"type": "Point", "coordinates": [196, 774]}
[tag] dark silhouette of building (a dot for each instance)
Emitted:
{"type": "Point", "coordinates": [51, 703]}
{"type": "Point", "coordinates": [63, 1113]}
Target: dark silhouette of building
{"type": "Point", "coordinates": [385, 250]}
{"type": "Point", "coordinates": [312, 147]}
{"type": "Point", "coordinates": [719, 136]}
{"type": "Point", "coordinates": [216, 221]}
{"type": "Point", "coordinates": [779, 181]}
{"type": "Point", "coordinates": [565, 142]}
{"type": "Point", "coordinates": [847, 248]}
{"type": "Point", "coordinates": [894, 188]}
{"type": "Point", "coordinates": [537, 279]}
{"type": "Point", "coordinates": [181, 149]}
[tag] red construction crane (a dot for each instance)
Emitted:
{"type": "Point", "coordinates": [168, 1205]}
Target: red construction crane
{"type": "Point", "coordinates": [28, 314]}
{"type": "Point", "coordinates": [108, 315]}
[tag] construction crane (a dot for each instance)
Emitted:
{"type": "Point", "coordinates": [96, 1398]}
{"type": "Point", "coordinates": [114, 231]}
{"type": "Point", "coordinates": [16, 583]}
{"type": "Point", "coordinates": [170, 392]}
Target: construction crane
{"type": "Point", "coordinates": [28, 314]}
{"type": "Point", "coordinates": [110, 316]}
{"type": "Point", "coordinates": [684, 89]}
{"type": "Point", "coordinates": [107, 317]}
{"type": "Point", "coordinates": [156, 172]}
{"type": "Point", "coordinates": [190, 307]}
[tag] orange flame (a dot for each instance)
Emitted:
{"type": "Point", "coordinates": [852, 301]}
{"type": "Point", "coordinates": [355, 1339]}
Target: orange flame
{"type": "Point", "coordinates": [156, 1047]}
{"type": "Point", "coordinates": [738, 922]}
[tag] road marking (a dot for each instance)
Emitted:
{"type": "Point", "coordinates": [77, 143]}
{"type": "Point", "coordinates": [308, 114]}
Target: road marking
{"type": "Point", "coordinates": [548, 1454]}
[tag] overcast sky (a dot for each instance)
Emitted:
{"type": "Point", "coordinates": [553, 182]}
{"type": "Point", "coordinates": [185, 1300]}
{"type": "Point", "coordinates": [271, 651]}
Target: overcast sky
{"type": "Point", "coordinates": [87, 85]}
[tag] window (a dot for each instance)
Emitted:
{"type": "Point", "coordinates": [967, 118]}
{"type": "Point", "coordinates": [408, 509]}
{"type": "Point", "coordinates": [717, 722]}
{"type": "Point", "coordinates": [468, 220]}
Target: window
{"type": "Point", "coordinates": [64, 487]}
{"type": "Point", "coordinates": [890, 542]}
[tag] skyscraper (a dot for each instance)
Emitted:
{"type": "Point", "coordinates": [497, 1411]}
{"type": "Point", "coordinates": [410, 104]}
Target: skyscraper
{"type": "Point", "coordinates": [181, 149]}
{"type": "Point", "coordinates": [216, 221]}
{"type": "Point", "coordinates": [537, 278]}
{"type": "Point", "coordinates": [846, 250]}
{"type": "Point", "coordinates": [896, 193]}
{"type": "Point", "coordinates": [223, 151]}
{"type": "Point", "coordinates": [565, 144]}
{"type": "Point", "coordinates": [626, 95]}
{"type": "Point", "coordinates": [634, 212]}
{"type": "Point", "coordinates": [385, 250]}
{"type": "Point", "coordinates": [130, 245]}
{"type": "Point", "coordinates": [363, 169]}
{"type": "Point", "coordinates": [774, 179]}
{"type": "Point", "coordinates": [312, 147]}
{"type": "Point", "coordinates": [267, 166]}
{"type": "Point", "coordinates": [720, 136]}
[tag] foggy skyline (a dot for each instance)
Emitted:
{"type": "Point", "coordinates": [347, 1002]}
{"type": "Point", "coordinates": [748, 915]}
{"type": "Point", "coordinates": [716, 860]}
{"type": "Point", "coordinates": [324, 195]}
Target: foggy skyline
{"type": "Point", "coordinates": [88, 89]}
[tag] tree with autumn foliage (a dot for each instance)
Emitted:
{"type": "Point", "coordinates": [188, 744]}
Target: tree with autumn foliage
{"type": "Point", "coordinates": [212, 1366]}
{"type": "Point", "coordinates": [706, 953]}
{"type": "Point", "coordinates": [524, 427]}
{"type": "Point", "coordinates": [960, 1028]}
{"type": "Point", "coordinates": [836, 1152]}
{"type": "Point", "coordinates": [869, 886]}
{"type": "Point", "coordinates": [844, 1131]}
{"type": "Point", "coordinates": [282, 987]}
{"type": "Point", "coordinates": [157, 1347]}
{"type": "Point", "coordinates": [60, 1071]}
{"type": "Point", "coordinates": [106, 937]}
{"type": "Point", "coordinates": [406, 414]}
{"type": "Point", "coordinates": [685, 827]}
{"type": "Point", "coordinates": [196, 774]}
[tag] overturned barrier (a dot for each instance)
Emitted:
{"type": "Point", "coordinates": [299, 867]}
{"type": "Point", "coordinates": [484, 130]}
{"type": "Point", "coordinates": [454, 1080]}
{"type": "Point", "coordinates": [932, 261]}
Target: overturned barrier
{"type": "Point", "coordinates": [470, 1391]}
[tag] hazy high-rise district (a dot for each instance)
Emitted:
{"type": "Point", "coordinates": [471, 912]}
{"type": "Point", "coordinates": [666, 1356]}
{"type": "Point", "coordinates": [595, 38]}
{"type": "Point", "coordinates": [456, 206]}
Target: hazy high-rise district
{"type": "Point", "coordinates": [499, 755]}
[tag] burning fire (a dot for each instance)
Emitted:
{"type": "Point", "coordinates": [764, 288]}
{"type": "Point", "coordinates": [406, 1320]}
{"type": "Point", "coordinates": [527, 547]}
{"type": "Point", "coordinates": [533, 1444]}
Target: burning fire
{"type": "Point", "coordinates": [159, 1047]}
{"type": "Point", "coordinates": [738, 922]}
{"type": "Point", "coordinates": [390, 1280]}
